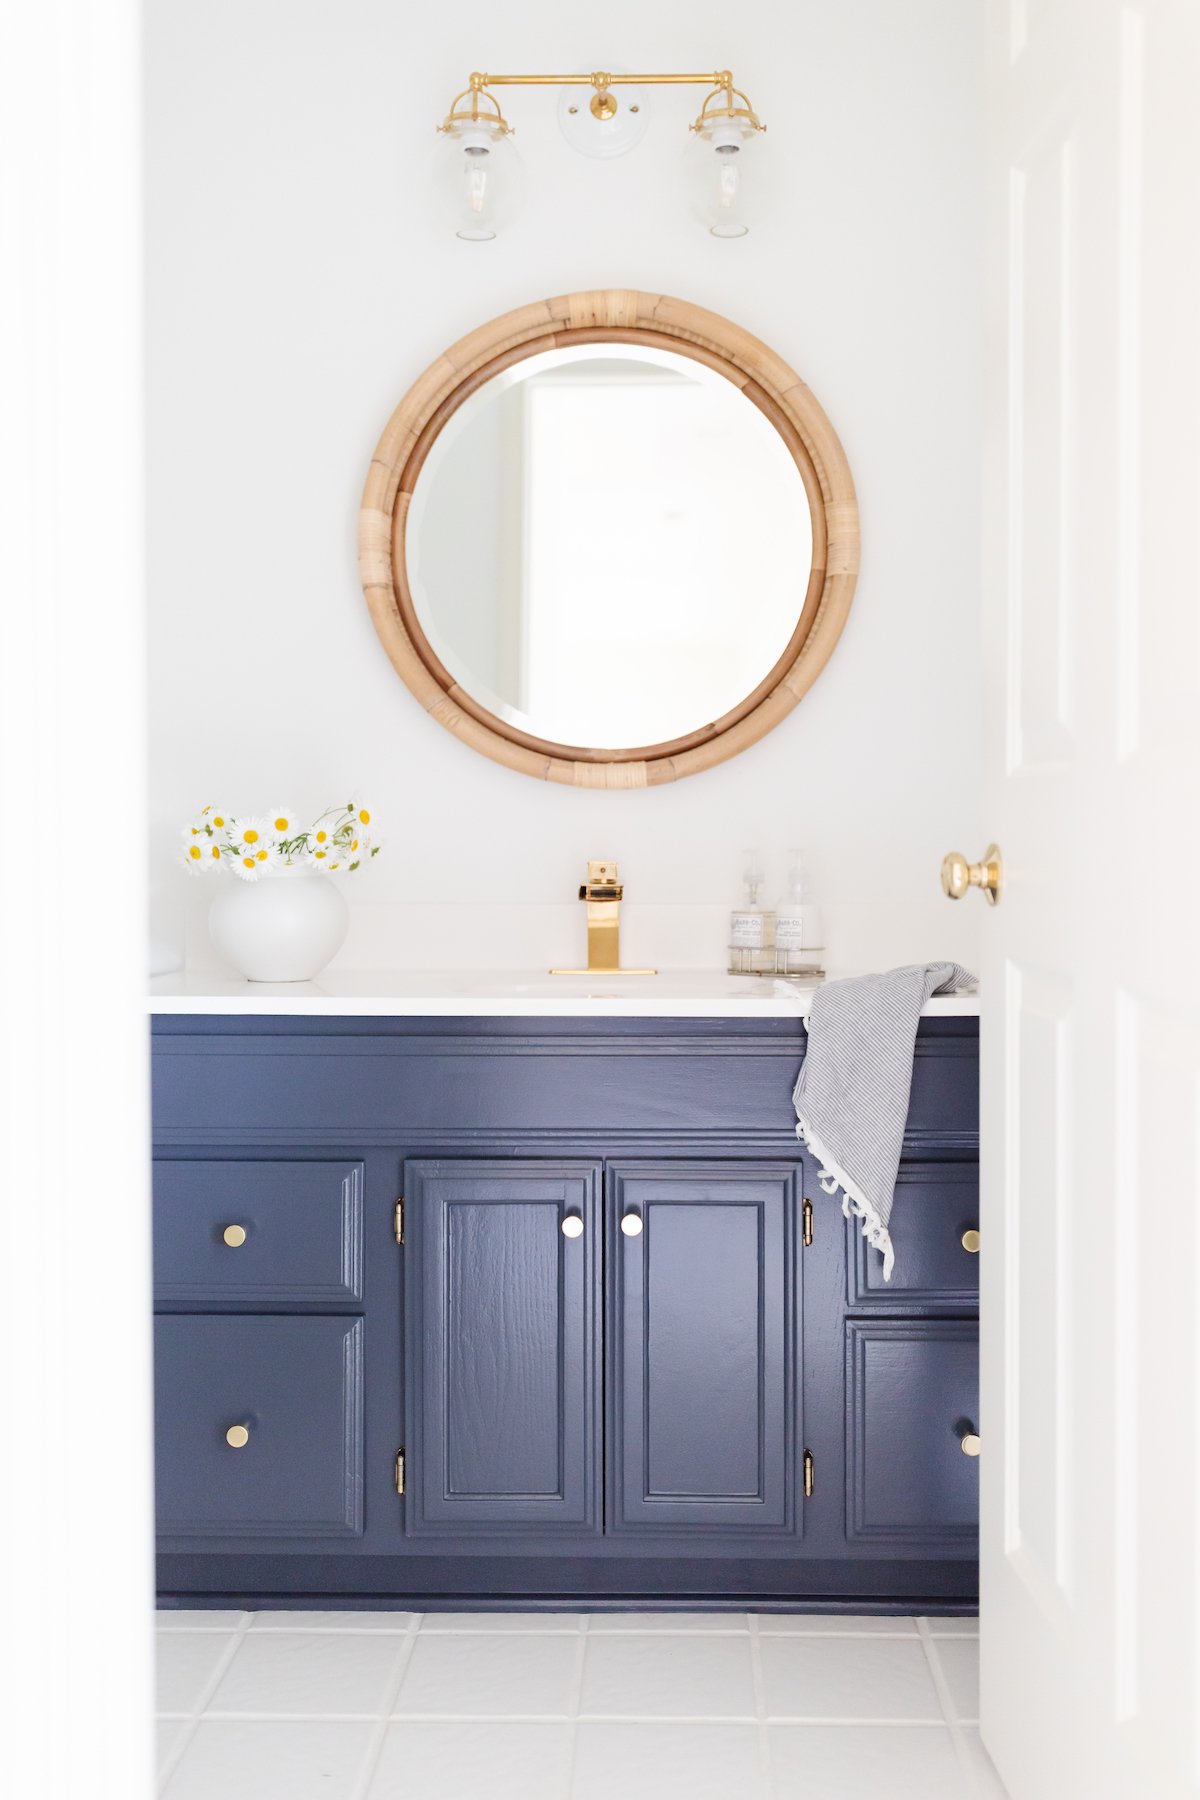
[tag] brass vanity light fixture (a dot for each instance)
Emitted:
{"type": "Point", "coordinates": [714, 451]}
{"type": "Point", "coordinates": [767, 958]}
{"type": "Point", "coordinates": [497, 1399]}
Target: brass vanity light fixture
{"type": "Point", "coordinates": [485, 173]}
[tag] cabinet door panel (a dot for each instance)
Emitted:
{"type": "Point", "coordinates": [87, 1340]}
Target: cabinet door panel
{"type": "Point", "coordinates": [703, 1333]}
{"type": "Point", "coordinates": [502, 1343]}
{"type": "Point", "coordinates": [295, 1386]}
{"type": "Point", "coordinates": [912, 1389]}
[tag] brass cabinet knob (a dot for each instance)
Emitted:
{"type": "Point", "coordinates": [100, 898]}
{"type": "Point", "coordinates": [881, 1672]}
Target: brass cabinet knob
{"type": "Point", "coordinates": [237, 1437]}
{"type": "Point", "coordinates": [958, 875]}
{"type": "Point", "coordinates": [234, 1235]}
{"type": "Point", "coordinates": [631, 1224]}
{"type": "Point", "coordinates": [572, 1226]}
{"type": "Point", "coordinates": [970, 1242]}
{"type": "Point", "coordinates": [968, 1443]}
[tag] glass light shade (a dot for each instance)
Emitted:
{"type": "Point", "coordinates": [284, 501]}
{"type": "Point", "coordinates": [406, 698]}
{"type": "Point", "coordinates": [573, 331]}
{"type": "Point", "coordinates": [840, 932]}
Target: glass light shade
{"type": "Point", "coordinates": [716, 165]}
{"type": "Point", "coordinates": [481, 180]}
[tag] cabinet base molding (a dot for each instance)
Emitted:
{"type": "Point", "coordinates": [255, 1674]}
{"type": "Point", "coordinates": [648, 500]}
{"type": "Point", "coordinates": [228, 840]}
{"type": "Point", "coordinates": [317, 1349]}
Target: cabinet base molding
{"type": "Point", "coordinates": [465, 1584]}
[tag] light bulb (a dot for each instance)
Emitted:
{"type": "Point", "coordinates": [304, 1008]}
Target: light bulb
{"type": "Point", "coordinates": [479, 189]}
{"type": "Point", "coordinates": [727, 194]}
{"type": "Point", "coordinates": [482, 173]}
{"type": "Point", "coordinates": [716, 158]}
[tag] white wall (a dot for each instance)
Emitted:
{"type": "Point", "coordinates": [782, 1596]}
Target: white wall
{"type": "Point", "coordinates": [300, 277]}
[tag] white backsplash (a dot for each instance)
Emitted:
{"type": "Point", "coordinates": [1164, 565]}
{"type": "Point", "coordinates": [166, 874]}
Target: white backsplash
{"type": "Point", "coordinates": [511, 936]}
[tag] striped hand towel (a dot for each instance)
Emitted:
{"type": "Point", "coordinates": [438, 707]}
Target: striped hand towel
{"type": "Point", "coordinates": [851, 1097]}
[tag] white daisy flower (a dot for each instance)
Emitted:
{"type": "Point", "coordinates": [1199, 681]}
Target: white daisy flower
{"type": "Point", "coordinates": [216, 818]}
{"type": "Point", "coordinates": [200, 852]}
{"type": "Point", "coordinates": [361, 818]}
{"type": "Point", "coordinates": [247, 862]}
{"type": "Point", "coordinates": [250, 836]}
{"type": "Point", "coordinates": [283, 822]}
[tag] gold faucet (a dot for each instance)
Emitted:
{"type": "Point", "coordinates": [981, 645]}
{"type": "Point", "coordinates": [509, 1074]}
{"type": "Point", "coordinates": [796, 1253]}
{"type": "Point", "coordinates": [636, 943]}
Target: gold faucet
{"type": "Point", "coordinates": [603, 893]}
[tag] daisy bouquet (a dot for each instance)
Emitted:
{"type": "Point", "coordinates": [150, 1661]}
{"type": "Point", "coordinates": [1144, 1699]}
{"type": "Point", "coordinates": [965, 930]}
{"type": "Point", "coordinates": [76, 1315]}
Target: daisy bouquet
{"type": "Point", "coordinates": [338, 842]}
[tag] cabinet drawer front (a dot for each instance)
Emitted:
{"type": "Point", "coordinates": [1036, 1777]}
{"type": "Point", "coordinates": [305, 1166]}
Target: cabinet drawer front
{"type": "Point", "coordinates": [294, 1387]}
{"type": "Point", "coordinates": [912, 1390]}
{"type": "Point", "coordinates": [703, 1334]}
{"type": "Point", "coordinates": [936, 1204]}
{"type": "Point", "coordinates": [503, 1346]}
{"type": "Point", "coordinates": [257, 1233]}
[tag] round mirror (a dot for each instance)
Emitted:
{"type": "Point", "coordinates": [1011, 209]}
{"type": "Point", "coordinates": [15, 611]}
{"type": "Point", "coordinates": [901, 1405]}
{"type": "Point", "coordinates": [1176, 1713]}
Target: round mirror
{"type": "Point", "coordinates": [609, 545]}
{"type": "Point", "coordinates": [609, 550]}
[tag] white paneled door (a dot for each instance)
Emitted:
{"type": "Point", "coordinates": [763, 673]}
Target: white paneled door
{"type": "Point", "coordinates": [1091, 1034]}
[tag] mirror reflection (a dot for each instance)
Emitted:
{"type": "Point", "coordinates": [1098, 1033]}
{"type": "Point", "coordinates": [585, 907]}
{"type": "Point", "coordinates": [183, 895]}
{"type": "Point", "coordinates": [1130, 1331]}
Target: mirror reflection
{"type": "Point", "coordinates": [609, 546]}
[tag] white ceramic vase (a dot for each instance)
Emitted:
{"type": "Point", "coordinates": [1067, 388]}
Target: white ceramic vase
{"type": "Point", "coordinates": [285, 927]}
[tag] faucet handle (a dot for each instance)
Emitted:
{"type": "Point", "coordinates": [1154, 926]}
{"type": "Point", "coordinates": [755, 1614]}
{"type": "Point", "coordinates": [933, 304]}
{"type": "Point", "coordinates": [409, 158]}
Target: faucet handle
{"type": "Point", "coordinates": [602, 883]}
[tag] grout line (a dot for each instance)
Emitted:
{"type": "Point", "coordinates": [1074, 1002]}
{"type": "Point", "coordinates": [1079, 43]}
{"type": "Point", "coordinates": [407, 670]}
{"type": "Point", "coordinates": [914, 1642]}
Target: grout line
{"type": "Point", "coordinates": [609, 1631]}
{"type": "Point", "coordinates": [550, 1631]}
{"type": "Point", "coordinates": [574, 1704]}
{"type": "Point", "coordinates": [387, 1707]}
{"type": "Point", "coordinates": [205, 1695]}
{"type": "Point", "coordinates": [906, 1637]}
{"type": "Point", "coordinates": [172, 1622]}
{"type": "Point", "coordinates": [612, 1718]}
{"type": "Point", "coordinates": [760, 1709]}
{"type": "Point", "coordinates": [929, 1642]}
{"type": "Point", "coordinates": [270, 1631]}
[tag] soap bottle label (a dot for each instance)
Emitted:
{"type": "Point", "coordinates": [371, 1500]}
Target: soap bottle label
{"type": "Point", "coordinates": [790, 933]}
{"type": "Point", "coordinates": [746, 930]}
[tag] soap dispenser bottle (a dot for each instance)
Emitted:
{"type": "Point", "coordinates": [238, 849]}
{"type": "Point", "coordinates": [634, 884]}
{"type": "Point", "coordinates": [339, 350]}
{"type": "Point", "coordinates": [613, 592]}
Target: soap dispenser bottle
{"type": "Point", "coordinates": [750, 924]}
{"type": "Point", "coordinates": [798, 931]}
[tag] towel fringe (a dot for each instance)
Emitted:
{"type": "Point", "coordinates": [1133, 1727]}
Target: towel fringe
{"type": "Point", "coordinates": [854, 1202]}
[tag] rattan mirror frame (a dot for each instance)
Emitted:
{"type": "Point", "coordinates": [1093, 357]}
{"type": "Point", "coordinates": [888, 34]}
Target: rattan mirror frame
{"type": "Point", "coordinates": [610, 315]}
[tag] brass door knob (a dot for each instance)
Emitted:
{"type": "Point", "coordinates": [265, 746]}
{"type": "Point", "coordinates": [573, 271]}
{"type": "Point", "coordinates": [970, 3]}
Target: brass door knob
{"type": "Point", "coordinates": [631, 1224]}
{"type": "Point", "coordinates": [234, 1235]}
{"type": "Point", "coordinates": [970, 1242]}
{"type": "Point", "coordinates": [968, 1443]}
{"type": "Point", "coordinates": [958, 874]}
{"type": "Point", "coordinates": [237, 1437]}
{"type": "Point", "coordinates": [572, 1226]}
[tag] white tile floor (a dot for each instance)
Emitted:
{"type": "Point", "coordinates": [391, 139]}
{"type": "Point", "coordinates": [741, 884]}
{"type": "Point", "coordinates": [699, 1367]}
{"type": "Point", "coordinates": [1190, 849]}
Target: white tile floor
{"type": "Point", "coordinates": [563, 1706]}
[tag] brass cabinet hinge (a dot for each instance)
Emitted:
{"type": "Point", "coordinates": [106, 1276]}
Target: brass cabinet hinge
{"type": "Point", "coordinates": [398, 1220]}
{"type": "Point", "coordinates": [807, 1215]}
{"type": "Point", "coordinates": [808, 1474]}
{"type": "Point", "coordinates": [399, 1471]}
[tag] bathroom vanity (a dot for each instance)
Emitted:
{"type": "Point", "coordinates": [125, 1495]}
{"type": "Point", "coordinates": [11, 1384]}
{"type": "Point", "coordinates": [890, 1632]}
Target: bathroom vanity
{"type": "Point", "coordinates": [492, 1308]}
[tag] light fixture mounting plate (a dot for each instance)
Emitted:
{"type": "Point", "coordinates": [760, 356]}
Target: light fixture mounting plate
{"type": "Point", "coordinates": [582, 118]}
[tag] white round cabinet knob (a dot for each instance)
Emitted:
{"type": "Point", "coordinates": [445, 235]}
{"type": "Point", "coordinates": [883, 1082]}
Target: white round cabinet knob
{"type": "Point", "coordinates": [572, 1226]}
{"type": "Point", "coordinates": [631, 1224]}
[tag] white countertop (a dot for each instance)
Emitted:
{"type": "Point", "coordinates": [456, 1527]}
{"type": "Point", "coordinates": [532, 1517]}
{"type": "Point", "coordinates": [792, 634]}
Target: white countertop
{"type": "Point", "coordinates": [675, 994]}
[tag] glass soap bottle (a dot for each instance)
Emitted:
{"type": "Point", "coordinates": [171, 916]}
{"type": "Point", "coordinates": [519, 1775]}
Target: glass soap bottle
{"type": "Point", "coordinates": [750, 925]}
{"type": "Point", "coordinates": [798, 931]}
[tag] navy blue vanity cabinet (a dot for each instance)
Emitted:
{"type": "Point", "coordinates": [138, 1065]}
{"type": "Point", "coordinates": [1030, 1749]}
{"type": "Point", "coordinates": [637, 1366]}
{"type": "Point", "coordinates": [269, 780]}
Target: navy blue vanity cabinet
{"type": "Point", "coordinates": [511, 1312]}
{"type": "Point", "coordinates": [503, 1343]}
